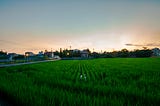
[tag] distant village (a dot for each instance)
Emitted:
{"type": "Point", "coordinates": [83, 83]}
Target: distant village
{"type": "Point", "coordinates": [77, 54]}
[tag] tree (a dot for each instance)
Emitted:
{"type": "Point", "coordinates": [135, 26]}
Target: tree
{"type": "Point", "coordinates": [143, 53]}
{"type": "Point", "coordinates": [123, 53]}
{"type": "Point", "coordinates": [3, 55]}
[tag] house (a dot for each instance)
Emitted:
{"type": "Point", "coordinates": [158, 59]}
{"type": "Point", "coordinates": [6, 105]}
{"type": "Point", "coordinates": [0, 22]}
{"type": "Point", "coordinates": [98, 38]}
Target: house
{"type": "Point", "coordinates": [156, 52]}
{"type": "Point", "coordinates": [29, 54]}
{"type": "Point", "coordinates": [84, 53]}
{"type": "Point", "coordinates": [11, 56]}
{"type": "Point", "coordinates": [49, 54]}
{"type": "Point", "coordinates": [76, 50]}
{"type": "Point", "coordinates": [40, 54]}
{"type": "Point", "coordinates": [57, 57]}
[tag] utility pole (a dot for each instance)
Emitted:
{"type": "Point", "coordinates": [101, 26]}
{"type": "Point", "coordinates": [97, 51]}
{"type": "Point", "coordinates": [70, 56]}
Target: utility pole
{"type": "Point", "coordinates": [70, 50]}
{"type": "Point", "coordinates": [52, 55]}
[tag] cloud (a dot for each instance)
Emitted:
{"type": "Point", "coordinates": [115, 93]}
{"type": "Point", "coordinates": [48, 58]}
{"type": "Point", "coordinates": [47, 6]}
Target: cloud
{"type": "Point", "coordinates": [149, 44]}
{"type": "Point", "coordinates": [129, 44]}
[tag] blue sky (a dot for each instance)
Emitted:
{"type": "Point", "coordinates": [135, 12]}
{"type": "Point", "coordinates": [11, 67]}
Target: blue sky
{"type": "Point", "coordinates": [34, 25]}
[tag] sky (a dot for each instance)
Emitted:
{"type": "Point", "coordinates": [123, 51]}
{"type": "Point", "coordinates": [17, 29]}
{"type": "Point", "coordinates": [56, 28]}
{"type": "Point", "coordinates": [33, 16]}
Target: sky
{"type": "Point", "coordinates": [107, 25]}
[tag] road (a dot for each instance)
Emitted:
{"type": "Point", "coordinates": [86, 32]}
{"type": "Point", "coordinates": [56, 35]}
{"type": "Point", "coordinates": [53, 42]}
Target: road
{"type": "Point", "coordinates": [17, 64]}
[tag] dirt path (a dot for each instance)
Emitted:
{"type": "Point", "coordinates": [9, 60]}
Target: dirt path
{"type": "Point", "coordinates": [9, 65]}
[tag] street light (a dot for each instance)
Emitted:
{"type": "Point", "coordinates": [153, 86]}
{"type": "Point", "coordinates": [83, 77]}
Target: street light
{"type": "Point", "coordinates": [67, 54]}
{"type": "Point", "coordinates": [27, 56]}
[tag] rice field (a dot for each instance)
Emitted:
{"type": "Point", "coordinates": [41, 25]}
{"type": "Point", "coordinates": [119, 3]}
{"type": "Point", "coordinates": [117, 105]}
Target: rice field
{"type": "Point", "coordinates": [97, 82]}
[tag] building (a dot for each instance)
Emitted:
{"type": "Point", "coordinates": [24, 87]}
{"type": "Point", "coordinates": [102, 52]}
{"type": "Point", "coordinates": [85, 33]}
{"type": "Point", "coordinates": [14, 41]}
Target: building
{"type": "Point", "coordinates": [156, 52]}
{"type": "Point", "coordinates": [40, 54]}
{"type": "Point", "coordinates": [11, 56]}
{"type": "Point", "coordinates": [56, 57]}
{"type": "Point", "coordinates": [49, 54]}
{"type": "Point", "coordinates": [29, 54]}
{"type": "Point", "coordinates": [84, 53]}
{"type": "Point", "coordinates": [76, 50]}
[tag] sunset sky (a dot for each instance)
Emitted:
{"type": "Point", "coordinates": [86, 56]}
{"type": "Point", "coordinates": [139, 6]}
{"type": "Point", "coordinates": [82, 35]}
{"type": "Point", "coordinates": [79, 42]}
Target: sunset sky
{"type": "Point", "coordinates": [35, 25]}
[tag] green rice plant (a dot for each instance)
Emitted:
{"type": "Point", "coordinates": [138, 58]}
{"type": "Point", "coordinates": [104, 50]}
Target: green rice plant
{"type": "Point", "coordinates": [109, 82]}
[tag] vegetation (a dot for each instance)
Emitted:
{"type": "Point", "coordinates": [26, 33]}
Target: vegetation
{"type": "Point", "coordinates": [97, 82]}
{"type": "Point", "coordinates": [3, 55]}
{"type": "Point", "coordinates": [124, 53]}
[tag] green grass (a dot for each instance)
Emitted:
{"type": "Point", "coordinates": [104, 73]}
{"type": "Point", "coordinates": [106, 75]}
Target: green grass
{"type": "Point", "coordinates": [115, 81]}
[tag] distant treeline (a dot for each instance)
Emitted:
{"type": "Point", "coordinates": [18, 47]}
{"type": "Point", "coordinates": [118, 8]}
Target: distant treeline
{"type": "Point", "coordinates": [125, 53]}
{"type": "Point", "coordinates": [122, 53]}
{"type": "Point", "coordinates": [72, 53]}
